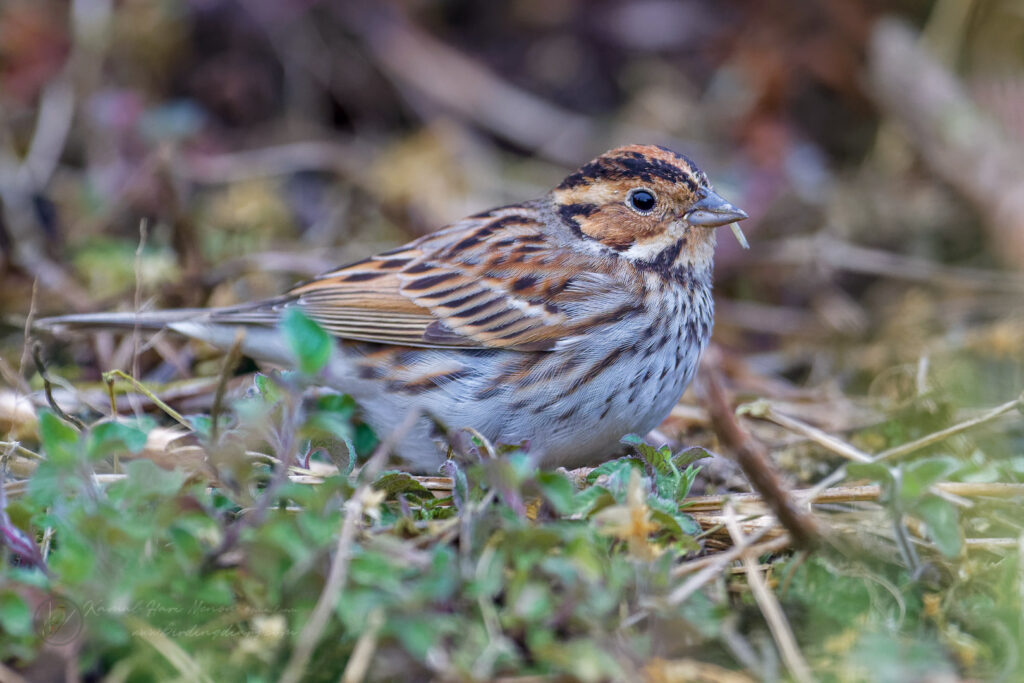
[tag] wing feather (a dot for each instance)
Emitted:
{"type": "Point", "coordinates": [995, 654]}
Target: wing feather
{"type": "Point", "coordinates": [494, 280]}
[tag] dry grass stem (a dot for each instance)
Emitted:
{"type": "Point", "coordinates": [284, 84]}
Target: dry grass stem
{"type": "Point", "coordinates": [136, 335]}
{"type": "Point", "coordinates": [111, 375]}
{"type": "Point", "coordinates": [717, 562]}
{"type": "Point", "coordinates": [26, 347]}
{"type": "Point", "coordinates": [318, 619]}
{"type": "Point", "coordinates": [17, 449]}
{"type": "Point", "coordinates": [850, 494]}
{"type": "Point", "coordinates": [674, 671]}
{"type": "Point", "coordinates": [416, 61]}
{"type": "Point", "coordinates": [925, 441]}
{"type": "Point", "coordinates": [763, 410]}
{"type": "Point", "coordinates": [170, 650]}
{"type": "Point", "coordinates": [943, 434]}
{"type": "Point", "coordinates": [923, 96]}
{"type": "Point", "coordinates": [331, 593]}
{"type": "Point", "coordinates": [230, 363]}
{"type": "Point", "coordinates": [991, 543]}
{"type": "Point", "coordinates": [362, 654]}
{"type": "Point", "coordinates": [768, 604]}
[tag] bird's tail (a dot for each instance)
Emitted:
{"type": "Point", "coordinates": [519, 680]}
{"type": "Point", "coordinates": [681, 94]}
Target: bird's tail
{"type": "Point", "coordinates": [265, 313]}
{"type": "Point", "coordinates": [217, 326]}
{"type": "Point", "coordinates": [123, 321]}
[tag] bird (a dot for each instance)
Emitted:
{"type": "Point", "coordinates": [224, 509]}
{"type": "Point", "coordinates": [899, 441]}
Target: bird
{"type": "Point", "coordinates": [557, 325]}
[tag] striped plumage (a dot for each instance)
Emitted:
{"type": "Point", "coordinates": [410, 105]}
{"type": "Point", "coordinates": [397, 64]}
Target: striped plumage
{"type": "Point", "coordinates": [562, 323]}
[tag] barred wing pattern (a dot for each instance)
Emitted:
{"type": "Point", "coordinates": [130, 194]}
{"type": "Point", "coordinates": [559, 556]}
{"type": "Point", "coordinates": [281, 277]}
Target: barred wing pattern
{"type": "Point", "coordinates": [490, 281]}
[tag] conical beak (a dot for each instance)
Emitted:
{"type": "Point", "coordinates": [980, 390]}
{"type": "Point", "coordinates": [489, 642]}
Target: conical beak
{"type": "Point", "coordinates": [712, 211]}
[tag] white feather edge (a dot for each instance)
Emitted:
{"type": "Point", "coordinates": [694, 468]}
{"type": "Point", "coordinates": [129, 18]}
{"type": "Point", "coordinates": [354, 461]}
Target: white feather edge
{"type": "Point", "coordinates": [262, 343]}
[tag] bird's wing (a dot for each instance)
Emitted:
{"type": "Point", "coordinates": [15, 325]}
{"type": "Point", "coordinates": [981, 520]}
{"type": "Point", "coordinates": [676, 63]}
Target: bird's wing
{"type": "Point", "coordinates": [493, 280]}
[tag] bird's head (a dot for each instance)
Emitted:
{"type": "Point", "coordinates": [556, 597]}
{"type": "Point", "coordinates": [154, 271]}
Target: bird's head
{"type": "Point", "coordinates": [647, 204]}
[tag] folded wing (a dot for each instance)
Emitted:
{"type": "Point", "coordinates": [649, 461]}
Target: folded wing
{"type": "Point", "coordinates": [490, 281]}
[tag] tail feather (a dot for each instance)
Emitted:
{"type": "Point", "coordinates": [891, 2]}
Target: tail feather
{"type": "Point", "coordinates": [216, 326]}
{"type": "Point", "coordinates": [258, 341]}
{"type": "Point", "coordinates": [126, 321]}
{"type": "Point", "coordinates": [264, 313]}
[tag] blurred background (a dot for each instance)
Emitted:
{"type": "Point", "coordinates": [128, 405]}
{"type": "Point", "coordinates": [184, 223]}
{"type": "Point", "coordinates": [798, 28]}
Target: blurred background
{"type": "Point", "coordinates": [203, 152]}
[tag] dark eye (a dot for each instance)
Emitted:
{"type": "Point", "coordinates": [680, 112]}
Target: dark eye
{"type": "Point", "coordinates": [641, 201]}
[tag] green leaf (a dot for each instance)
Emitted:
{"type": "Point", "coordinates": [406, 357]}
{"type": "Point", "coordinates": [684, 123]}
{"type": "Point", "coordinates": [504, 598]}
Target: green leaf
{"type": "Point", "coordinates": [215, 591]}
{"type": "Point", "coordinates": [341, 405]}
{"type": "Point", "coordinates": [201, 424]}
{"type": "Point", "coordinates": [592, 500]}
{"type": "Point", "coordinates": [667, 522]}
{"type": "Point", "coordinates": [15, 617]}
{"type": "Point", "coordinates": [418, 635]}
{"type": "Point", "coordinates": [687, 457]}
{"type": "Point", "coordinates": [310, 344]}
{"type": "Point", "coordinates": [146, 478]}
{"type": "Point", "coordinates": [942, 519]}
{"type": "Point", "coordinates": [918, 476]}
{"type": "Point", "coordinates": [320, 424]}
{"type": "Point", "coordinates": [558, 490]}
{"type": "Point", "coordinates": [658, 458]}
{"type": "Point", "coordinates": [685, 483]}
{"type": "Point", "coordinates": [60, 440]}
{"type": "Point", "coordinates": [109, 437]}
{"type": "Point", "coordinates": [48, 484]}
{"type": "Point", "coordinates": [74, 559]}
{"type": "Point", "coordinates": [333, 415]}
{"type": "Point", "coordinates": [584, 658]}
{"type": "Point", "coordinates": [633, 440]}
{"type": "Point", "coordinates": [531, 602]}
{"type": "Point", "coordinates": [613, 470]}
{"type": "Point", "coordinates": [874, 471]}
{"type": "Point", "coordinates": [268, 388]}
{"type": "Point", "coordinates": [681, 527]}
{"type": "Point", "coordinates": [330, 423]}
{"type": "Point", "coordinates": [365, 440]}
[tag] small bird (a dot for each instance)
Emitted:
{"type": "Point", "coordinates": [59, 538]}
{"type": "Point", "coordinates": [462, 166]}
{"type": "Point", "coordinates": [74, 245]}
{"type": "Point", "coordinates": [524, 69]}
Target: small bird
{"type": "Point", "coordinates": [558, 324]}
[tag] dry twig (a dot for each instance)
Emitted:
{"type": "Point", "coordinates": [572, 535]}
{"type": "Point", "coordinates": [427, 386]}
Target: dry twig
{"type": "Point", "coordinates": [37, 356]}
{"type": "Point", "coordinates": [753, 459]}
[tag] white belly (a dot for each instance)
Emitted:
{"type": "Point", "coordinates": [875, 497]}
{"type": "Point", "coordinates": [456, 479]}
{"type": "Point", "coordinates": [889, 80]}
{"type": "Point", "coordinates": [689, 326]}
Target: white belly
{"type": "Point", "coordinates": [551, 404]}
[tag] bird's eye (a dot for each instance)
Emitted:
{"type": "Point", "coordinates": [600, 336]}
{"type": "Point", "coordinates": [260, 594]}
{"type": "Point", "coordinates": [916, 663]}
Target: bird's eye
{"type": "Point", "coordinates": [642, 201]}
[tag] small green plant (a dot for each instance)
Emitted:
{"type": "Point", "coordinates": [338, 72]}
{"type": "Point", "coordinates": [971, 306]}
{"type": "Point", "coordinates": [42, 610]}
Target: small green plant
{"type": "Point", "coordinates": [216, 572]}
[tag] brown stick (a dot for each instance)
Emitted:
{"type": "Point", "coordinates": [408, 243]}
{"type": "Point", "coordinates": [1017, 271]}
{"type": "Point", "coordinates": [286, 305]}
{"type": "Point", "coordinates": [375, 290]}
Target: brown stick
{"type": "Point", "coordinates": [753, 460]}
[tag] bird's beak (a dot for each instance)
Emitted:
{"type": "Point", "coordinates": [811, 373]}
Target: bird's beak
{"type": "Point", "coordinates": [712, 211]}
